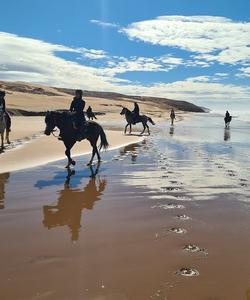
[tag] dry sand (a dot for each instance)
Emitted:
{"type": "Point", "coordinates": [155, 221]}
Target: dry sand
{"type": "Point", "coordinates": [30, 147]}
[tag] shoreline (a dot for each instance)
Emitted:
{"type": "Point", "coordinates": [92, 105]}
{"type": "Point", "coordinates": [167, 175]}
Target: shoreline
{"type": "Point", "coordinates": [43, 150]}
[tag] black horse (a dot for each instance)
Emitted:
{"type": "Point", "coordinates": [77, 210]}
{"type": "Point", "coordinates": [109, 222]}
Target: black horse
{"type": "Point", "coordinates": [63, 121]}
{"type": "Point", "coordinates": [130, 120]}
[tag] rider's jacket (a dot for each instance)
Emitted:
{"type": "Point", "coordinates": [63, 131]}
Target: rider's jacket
{"type": "Point", "coordinates": [77, 105]}
{"type": "Point", "coordinates": [136, 110]}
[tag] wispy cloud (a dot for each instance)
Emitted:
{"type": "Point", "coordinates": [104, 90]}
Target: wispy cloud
{"type": "Point", "coordinates": [26, 59]}
{"type": "Point", "coordinates": [212, 38]}
{"type": "Point", "coordinates": [104, 24]}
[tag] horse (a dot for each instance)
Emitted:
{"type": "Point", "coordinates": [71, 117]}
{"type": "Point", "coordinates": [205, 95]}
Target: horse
{"type": "Point", "coordinates": [90, 114]}
{"type": "Point", "coordinates": [130, 120]}
{"type": "Point", "coordinates": [227, 120]}
{"type": "Point", "coordinates": [63, 121]}
{"type": "Point", "coordinates": [3, 129]}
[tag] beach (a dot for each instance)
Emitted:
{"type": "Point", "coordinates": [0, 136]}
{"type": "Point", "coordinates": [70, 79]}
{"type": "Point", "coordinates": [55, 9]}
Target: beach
{"type": "Point", "coordinates": [175, 203]}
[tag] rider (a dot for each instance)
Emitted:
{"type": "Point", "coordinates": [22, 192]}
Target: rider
{"type": "Point", "coordinates": [3, 110]}
{"type": "Point", "coordinates": [172, 116]}
{"type": "Point", "coordinates": [227, 114]}
{"type": "Point", "coordinates": [135, 112]}
{"type": "Point", "coordinates": [77, 106]}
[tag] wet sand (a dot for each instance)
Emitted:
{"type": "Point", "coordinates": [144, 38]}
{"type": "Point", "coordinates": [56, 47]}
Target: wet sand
{"type": "Point", "coordinates": [118, 232]}
{"type": "Point", "coordinates": [30, 147]}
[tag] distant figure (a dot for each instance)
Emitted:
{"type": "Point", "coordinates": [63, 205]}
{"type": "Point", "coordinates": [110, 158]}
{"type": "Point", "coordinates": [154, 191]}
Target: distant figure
{"type": "Point", "coordinates": [4, 111]}
{"type": "Point", "coordinates": [227, 119]}
{"type": "Point", "coordinates": [135, 112]}
{"type": "Point", "coordinates": [172, 116]}
{"type": "Point", "coordinates": [5, 121]}
{"type": "Point", "coordinates": [90, 113]}
{"type": "Point", "coordinates": [77, 107]}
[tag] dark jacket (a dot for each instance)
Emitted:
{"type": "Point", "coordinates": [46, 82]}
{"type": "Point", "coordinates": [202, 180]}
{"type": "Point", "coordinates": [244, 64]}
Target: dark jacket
{"type": "Point", "coordinates": [77, 105]}
{"type": "Point", "coordinates": [136, 110]}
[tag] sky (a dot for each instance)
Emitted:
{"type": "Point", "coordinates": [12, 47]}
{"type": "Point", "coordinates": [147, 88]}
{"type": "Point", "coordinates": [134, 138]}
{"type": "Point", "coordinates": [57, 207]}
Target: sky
{"type": "Point", "coordinates": [198, 51]}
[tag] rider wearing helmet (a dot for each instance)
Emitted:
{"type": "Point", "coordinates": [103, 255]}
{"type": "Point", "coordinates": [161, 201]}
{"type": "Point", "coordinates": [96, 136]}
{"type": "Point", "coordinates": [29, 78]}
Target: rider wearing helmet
{"type": "Point", "coordinates": [135, 112]}
{"type": "Point", "coordinates": [77, 106]}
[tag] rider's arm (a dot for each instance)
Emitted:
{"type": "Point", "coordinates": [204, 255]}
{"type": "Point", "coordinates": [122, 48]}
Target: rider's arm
{"type": "Point", "coordinates": [72, 106]}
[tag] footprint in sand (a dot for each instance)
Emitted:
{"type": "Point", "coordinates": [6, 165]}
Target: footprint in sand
{"type": "Point", "coordinates": [188, 272]}
{"type": "Point", "coordinates": [192, 248]}
{"type": "Point", "coordinates": [169, 206]}
{"type": "Point", "coordinates": [178, 230]}
{"type": "Point", "coordinates": [183, 217]}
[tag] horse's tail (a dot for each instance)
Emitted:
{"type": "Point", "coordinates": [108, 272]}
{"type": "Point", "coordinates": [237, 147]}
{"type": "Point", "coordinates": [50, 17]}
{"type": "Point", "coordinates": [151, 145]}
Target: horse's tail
{"type": "Point", "coordinates": [104, 143]}
{"type": "Point", "coordinates": [151, 121]}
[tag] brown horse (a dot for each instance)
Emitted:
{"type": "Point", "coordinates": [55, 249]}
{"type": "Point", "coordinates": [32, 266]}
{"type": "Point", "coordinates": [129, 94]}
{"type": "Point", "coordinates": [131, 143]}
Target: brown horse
{"type": "Point", "coordinates": [63, 121]}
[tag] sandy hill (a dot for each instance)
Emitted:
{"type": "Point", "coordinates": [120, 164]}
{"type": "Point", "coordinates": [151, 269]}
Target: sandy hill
{"type": "Point", "coordinates": [32, 99]}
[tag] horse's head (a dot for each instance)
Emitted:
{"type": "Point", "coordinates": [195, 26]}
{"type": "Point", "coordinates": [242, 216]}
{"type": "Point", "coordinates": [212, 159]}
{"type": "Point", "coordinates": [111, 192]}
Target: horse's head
{"type": "Point", "coordinates": [123, 111]}
{"type": "Point", "coordinates": [50, 121]}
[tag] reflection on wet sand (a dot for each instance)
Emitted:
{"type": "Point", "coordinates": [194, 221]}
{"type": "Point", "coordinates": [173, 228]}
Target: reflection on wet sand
{"type": "Point", "coordinates": [3, 180]}
{"type": "Point", "coordinates": [71, 202]}
{"type": "Point", "coordinates": [132, 150]}
{"type": "Point", "coordinates": [227, 134]}
{"type": "Point", "coordinates": [248, 294]}
{"type": "Point", "coordinates": [171, 130]}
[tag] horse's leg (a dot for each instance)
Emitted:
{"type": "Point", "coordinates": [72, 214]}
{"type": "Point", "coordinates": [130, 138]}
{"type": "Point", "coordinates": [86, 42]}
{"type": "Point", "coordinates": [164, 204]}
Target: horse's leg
{"type": "Point", "coordinates": [144, 127]}
{"type": "Point", "coordinates": [130, 128]}
{"type": "Point", "coordinates": [67, 152]}
{"type": "Point", "coordinates": [148, 129]}
{"type": "Point", "coordinates": [125, 130]}
{"type": "Point", "coordinates": [94, 151]}
{"type": "Point", "coordinates": [7, 136]}
{"type": "Point", "coordinates": [2, 139]}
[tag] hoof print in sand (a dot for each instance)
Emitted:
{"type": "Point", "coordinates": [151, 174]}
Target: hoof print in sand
{"type": "Point", "coordinates": [188, 272]}
{"type": "Point", "coordinates": [178, 230]}
{"type": "Point", "coordinates": [183, 217]}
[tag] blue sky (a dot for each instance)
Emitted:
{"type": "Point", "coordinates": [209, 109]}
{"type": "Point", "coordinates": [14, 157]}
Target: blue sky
{"type": "Point", "coordinates": [184, 49]}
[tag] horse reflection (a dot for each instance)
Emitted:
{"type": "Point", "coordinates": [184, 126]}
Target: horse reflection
{"type": "Point", "coordinates": [130, 149]}
{"type": "Point", "coordinates": [227, 134]}
{"type": "Point", "coordinates": [70, 204]}
{"type": "Point", "coordinates": [3, 180]}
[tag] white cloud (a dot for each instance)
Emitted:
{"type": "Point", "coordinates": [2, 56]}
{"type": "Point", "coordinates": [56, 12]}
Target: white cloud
{"type": "Point", "coordinates": [92, 53]}
{"type": "Point", "coordinates": [244, 72]}
{"type": "Point", "coordinates": [26, 59]}
{"type": "Point", "coordinates": [104, 24]}
{"type": "Point", "coordinates": [214, 38]}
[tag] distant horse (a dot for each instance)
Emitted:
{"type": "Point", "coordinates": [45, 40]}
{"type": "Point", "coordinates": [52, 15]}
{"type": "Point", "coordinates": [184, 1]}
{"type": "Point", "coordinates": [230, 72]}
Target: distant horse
{"type": "Point", "coordinates": [90, 114]}
{"type": "Point", "coordinates": [227, 120]}
{"type": "Point", "coordinates": [63, 121]}
{"type": "Point", "coordinates": [3, 129]}
{"type": "Point", "coordinates": [130, 120]}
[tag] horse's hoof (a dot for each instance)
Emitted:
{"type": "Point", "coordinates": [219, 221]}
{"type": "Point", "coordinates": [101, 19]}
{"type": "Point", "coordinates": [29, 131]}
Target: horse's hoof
{"type": "Point", "coordinates": [73, 162]}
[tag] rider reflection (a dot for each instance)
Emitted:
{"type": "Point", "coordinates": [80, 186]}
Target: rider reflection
{"type": "Point", "coordinates": [130, 149]}
{"type": "Point", "coordinates": [3, 180]}
{"type": "Point", "coordinates": [70, 204]}
{"type": "Point", "coordinates": [227, 134]}
{"type": "Point", "coordinates": [171, 130]}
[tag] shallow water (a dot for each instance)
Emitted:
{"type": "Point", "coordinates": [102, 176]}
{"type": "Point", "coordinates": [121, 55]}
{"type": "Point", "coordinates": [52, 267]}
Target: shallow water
{"type": "Point", "coordinates": [114, 232]}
